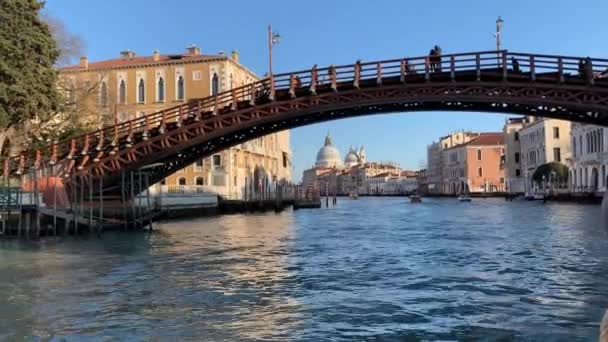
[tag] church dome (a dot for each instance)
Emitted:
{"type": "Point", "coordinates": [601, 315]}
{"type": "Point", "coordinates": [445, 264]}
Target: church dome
{"type": "Point", "coordinates": [351, 158]}
{"type": "Point", "coordinates": [328, 156]}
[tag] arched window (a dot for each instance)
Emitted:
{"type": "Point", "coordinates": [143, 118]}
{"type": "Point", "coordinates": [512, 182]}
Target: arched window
{"type": "Point", "coordinates": [215, 85]}
{"type": "Point", "coordinates": [122, 92]}
{"type": "Point", "coordinates": [199, 181]}
{"type": "Point", "coordinates": [103, 96]}
{"type": "Point", "coordinates": [161, 90]}
{"type": "Point", "coordinates": [141, 92]}
{"type": "Point", "coordinates": [181, 181]}
{"type": "Point", "coordinates": [180, 88]}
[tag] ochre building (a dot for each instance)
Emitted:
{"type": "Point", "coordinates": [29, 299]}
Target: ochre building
{"type": "Point", "coordinates": [131, 86]}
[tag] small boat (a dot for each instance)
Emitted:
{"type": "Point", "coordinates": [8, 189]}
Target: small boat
{"type": "Point", "coordinates": [415, 199]}
{"type": "Point", "coordinates": [464, 198]}
{"type": "Point", "coordinates": [353, 195]}
{"type": "Point", "coordinates": [534, 197]}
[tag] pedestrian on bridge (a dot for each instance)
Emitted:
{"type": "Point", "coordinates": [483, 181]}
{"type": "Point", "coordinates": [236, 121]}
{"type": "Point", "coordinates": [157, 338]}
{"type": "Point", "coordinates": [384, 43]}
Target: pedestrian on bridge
{"type": "Point", "coordinates": [515, 64]}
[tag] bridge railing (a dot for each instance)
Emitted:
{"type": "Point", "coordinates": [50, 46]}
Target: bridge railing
{"type": "Point", "coordinates": [547, 67]}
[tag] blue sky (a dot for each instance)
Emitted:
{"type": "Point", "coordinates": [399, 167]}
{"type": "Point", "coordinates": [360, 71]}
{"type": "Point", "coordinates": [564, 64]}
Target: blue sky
{"type": "Point", "coordinates": [336, 32]}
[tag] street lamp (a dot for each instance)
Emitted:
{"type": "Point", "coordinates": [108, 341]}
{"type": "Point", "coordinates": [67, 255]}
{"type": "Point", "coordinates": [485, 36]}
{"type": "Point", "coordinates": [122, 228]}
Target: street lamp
{"type": "Point", "coordinates": [499, 23]}
{"type": "Point", "coordinates": [273, 39]}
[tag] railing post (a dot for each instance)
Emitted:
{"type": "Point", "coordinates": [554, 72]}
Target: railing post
{"type": "Point", "coordinates": [216, 104]}
{"type": "Point", "coordinates": [560, 69]}
{"type": "Point", "coordinates": [99, 147]}
{"type": "Point", "coordinates": [532, 69]}
{"type": "Point", "coordinates": [313, 79]}
{"type": "Point", "coordinates": [85, 150]}
{"type": "Point", "coordinates": [72, 149]}
{"type": "Point", "coordinates": [53, 159]}
{"type": "Point", "coordinates": [234, 99]}
{"type": "Point", "coordinates": [357, 72]}
{"type": "Point", "coordinates": [21, 166]}
{"type": "Point", "coordinates": [333, 78]}
{"type": "Point", "coordinates": [452, 68]}
{"type": "Point", "coordinates": [163, 120]}
{"type": "Point", "coordinates": [272, 88]}
{"type": "Point", "coordinates": [179, 116]}
{"type": "Point", "coordinates": [478, 66]}
{"type": "Point", "coordinates": [402, 68]}
{"type": "Point", "coordinates": [379, 74]}
{"type": "Point", "coordinates": [292, 86]}
{"type": "Point", "coordinates": [427, 66]}
{"type": "Point", "coordinates": [252, 94]}
{"type": "Point", "coordinates": [504, 65]}
{"type": "Point", "coordinates": [130, 136]}
{"type": "Point", "coordinates": [589, 71]}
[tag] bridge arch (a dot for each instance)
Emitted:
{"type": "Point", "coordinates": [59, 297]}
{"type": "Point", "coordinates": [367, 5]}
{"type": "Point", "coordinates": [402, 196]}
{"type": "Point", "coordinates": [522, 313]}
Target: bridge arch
{"type": "Point", "coordinates": [166, 141]}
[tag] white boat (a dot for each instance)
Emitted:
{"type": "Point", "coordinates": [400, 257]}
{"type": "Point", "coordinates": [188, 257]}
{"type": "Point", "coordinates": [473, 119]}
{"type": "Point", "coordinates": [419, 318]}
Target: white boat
{"type": "Point", "coordinates": [464, 198]}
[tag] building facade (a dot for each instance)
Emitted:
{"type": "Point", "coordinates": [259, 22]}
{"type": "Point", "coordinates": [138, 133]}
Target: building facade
{"type": "Point", "coordinates": [132, 86]}
{"type": "Point", "coordinates": [436, 161]}
{"type": "Point", "coordinates": [475, 166]}
{"type": "Point", "coordinates": [514, 181]}
{"type": "Point", "coordinates": [589, 160]}
{"type": "Point", "coordinates": [542, 141]}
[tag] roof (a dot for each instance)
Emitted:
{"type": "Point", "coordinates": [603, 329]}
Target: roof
{"type": "Point", "coordinates": [484, 139]}
{"type": "Point", "coordinates": [386, 174]}
{"type": "Point", "coordinates": [141, 60]}
{"type": "Point", "coordinates": [488, 139]}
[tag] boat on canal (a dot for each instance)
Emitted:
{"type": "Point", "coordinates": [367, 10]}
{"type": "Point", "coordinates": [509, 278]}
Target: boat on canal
{"type": "Point", "coordinates": [415, 199]}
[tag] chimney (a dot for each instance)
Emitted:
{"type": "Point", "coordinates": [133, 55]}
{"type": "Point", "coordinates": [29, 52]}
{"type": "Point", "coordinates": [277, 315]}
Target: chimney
{"type": "Point", "coordinates": [193, 50]}
{"type": "Point", "coordinates": [156, 56]}
{"type": "Point", "coordinates": [84, 62]}
{"type": "Point", "coordinates": [235, 56]}
{"type": "Point", "coordinates": [127, 54]}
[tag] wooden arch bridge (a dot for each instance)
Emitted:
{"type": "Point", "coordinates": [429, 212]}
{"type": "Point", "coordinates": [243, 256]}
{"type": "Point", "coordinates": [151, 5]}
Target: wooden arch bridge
{"type": "Point", "coordinates": [561, 87]}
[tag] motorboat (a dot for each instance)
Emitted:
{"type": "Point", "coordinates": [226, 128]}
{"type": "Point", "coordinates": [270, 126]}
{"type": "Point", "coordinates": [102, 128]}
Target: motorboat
{"type": "Point", "coordinates": [353, 195]}
{"type": "Point", "coordinates": [464, 198]}
{"type": "Point", "coordinates": [415, 199]}
{"type": "Point", "coordinates": [534, 197]}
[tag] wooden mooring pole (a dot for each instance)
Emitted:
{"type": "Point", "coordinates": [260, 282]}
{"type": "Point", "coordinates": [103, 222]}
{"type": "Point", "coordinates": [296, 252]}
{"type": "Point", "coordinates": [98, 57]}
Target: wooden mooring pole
{"type": "Point", "coordinates": [148, 199]}
{"type": "Point", "coordinates": [100, 223]}
{"type": "Point", "coordinates": [36, 202]}
{"type": "Point", "coordinates": [124, 202]}
{"type": "Point", "coordinates": [54, 205]}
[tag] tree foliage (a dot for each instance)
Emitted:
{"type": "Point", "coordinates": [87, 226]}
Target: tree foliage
{"type": "Point", "coordinates": [560, 170]}
{"type": "Point", "coordinates": [28, 53]}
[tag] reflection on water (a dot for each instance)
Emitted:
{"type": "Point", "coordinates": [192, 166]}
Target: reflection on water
{"type": "Point", "coordinates": [373, 267]}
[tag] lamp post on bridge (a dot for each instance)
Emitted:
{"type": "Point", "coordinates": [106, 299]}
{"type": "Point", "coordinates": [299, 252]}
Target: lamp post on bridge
{"type": "Point", "coordinates": [499, 23]}
{"type": "Point", "coordinates": [273, 39]}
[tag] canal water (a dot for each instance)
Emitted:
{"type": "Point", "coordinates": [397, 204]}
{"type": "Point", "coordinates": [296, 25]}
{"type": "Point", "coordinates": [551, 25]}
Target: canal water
{"type": "Point", "coordinates": [373, 269]}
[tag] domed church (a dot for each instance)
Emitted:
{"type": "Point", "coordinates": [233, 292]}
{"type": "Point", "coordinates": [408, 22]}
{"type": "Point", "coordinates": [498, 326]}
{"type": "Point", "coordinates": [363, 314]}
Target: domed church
{"type": "Point", "coordinates": [328, 156]}
{"type": "Point", "coordinates": [354, 158]}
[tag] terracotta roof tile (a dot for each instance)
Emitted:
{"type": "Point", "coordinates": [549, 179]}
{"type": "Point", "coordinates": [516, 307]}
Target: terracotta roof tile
{"type": "Point", "coordinates": [137, 60]}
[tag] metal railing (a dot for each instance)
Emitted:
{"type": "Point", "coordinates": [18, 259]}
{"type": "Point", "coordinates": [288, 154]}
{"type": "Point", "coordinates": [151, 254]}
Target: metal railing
{"type": "Point", "coordinates": [98, 144]}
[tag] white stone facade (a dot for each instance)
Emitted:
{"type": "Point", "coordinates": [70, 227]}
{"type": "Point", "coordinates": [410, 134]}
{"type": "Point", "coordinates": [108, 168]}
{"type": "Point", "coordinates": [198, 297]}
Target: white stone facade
{"type": "Point", "coordinates": [589, 158]}
{"type": "Point", "coordinates": [514, 181]}
{"type": "Point", "coordinates": [542, 141]}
